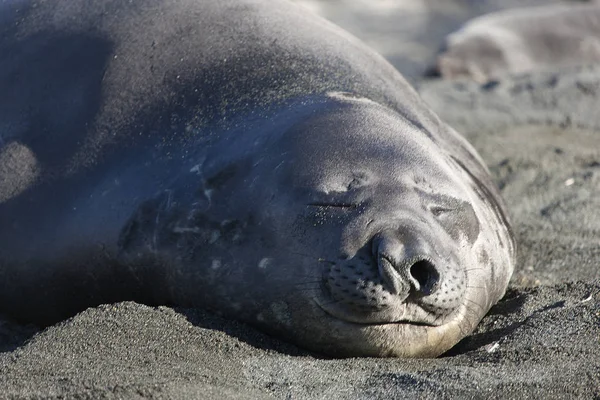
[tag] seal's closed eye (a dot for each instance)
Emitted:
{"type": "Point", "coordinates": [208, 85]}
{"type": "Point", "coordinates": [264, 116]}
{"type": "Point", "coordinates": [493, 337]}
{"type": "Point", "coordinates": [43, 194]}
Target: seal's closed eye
{"type": "Point", "coordinates": [438, 210]}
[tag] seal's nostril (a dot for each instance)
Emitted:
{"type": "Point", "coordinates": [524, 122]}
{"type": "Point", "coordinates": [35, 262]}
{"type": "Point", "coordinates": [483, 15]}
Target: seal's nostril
{"type": "Point", "coordinates": [426, 276]}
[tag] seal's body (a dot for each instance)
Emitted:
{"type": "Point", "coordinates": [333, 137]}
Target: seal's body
{"type": "Point", "coordinates": [241, 156]}
{"type": "Point", "coordinates": [523, 40]}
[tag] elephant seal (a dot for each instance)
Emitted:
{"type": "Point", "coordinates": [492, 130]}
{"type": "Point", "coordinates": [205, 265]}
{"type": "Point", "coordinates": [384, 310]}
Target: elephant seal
{"type": "Point", "coordinates": [523, 40]}
{"type": "Point", "coordinates": [245, 157]}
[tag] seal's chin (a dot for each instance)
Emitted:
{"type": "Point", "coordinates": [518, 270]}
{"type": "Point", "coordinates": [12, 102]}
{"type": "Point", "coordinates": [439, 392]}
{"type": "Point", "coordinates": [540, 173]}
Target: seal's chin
{"type": "Point", "coordinates": [342, 334]}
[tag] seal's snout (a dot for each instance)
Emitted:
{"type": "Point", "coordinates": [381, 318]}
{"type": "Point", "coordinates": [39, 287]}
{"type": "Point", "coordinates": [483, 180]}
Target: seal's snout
{"type": "Point", "coordinates": [398, 277]}
{"type": "Point", "coordinates": [403, 270]}
{"type": "Point", "coordinates": [403, 278]}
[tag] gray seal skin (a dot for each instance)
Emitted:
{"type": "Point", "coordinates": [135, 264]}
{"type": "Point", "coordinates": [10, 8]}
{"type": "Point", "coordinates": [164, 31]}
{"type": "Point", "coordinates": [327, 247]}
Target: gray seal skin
{"type": "Point", "coordinates": [245, 157]}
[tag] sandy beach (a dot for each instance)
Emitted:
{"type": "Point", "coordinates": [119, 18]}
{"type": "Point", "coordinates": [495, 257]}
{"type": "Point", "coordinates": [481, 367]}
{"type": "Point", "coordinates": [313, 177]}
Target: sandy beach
{"type": "Point", "coordinates": [539, 134]}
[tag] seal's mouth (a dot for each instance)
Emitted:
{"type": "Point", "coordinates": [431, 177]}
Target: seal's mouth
{"type": "Point", "coordinates": [372, 319]}
{"type": "Point", "coordinates": [405, 313]}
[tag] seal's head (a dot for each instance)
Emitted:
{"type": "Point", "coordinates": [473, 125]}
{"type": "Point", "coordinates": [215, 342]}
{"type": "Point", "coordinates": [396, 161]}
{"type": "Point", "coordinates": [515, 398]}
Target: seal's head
{"type": "Point", "coordinates": [351, 233]}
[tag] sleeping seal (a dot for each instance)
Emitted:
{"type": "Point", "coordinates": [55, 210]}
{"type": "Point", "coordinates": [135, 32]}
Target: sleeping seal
{"type": "Point", "coordinates": [242, 156]}
{"type": "Point", "coordinates": [522, 40]}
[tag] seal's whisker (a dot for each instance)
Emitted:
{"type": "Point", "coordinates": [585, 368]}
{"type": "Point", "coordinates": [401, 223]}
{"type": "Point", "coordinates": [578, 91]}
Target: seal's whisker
{"type": "Point", "coordinates": [328, 303]}
{"type": "Point", "coordinates": [472, 302]}
{"type": "Point", "coordinates": [322, 260]}
{"type": "Point", "coordinates": [301, 290]}
{"type": "Point", "coordinates": [332, 205]}
{"type": "Point", "coordinates": [303, 254]}
{"type": "Point", "coordinates": [476, 287]}
{"type": "Point", "coordinates": [471, 315]}
{"type": "Point", "coordinates": [439, 317]}
{"type": "Point", "coordinates": [317, 259]}
{"type": "Point", "coordinates": [474, 269]}
{"type": "Point", "coordinates": [309, 283]}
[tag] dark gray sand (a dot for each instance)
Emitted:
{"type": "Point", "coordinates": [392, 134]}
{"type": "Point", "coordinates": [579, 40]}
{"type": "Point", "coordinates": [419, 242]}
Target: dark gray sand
{"type": "Point", "coordinates": [540, 135]}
